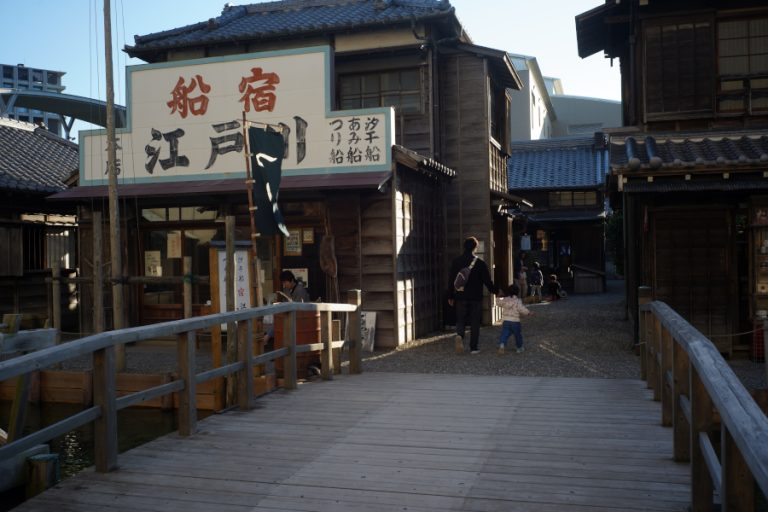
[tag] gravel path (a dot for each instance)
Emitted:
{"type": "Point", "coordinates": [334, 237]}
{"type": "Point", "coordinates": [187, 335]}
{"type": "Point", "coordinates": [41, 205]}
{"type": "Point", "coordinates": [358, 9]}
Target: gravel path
{"type": "Point", "coordinates": [582, 336]}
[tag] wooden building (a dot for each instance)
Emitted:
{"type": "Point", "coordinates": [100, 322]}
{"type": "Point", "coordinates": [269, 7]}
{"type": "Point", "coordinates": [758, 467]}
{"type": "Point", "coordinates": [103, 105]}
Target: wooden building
{"type": "Point", "coordinates": [35, 236]}
{"type": "Point", "coordinates": [564, 228]}
{"type": "Point", "coordinates": [393, 213]}
{"type": "Point", "coordinates": [690, 167]}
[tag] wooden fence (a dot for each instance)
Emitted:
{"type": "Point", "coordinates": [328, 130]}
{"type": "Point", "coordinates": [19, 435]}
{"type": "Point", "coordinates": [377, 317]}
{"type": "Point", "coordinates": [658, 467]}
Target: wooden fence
{"type": "Point", "coordinates": [717, 425]}
{"type": "Point", "coordinates": [102, 347]}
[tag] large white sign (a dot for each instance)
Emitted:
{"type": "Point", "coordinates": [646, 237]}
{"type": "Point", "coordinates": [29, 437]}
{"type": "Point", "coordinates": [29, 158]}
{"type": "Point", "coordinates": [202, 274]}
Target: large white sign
{"type": "Point", "coordinates": [185, 120]}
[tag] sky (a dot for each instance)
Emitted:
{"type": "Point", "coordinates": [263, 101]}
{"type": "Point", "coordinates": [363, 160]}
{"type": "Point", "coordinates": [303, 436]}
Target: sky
{"type": "Point", "coordinates": [68, 36]}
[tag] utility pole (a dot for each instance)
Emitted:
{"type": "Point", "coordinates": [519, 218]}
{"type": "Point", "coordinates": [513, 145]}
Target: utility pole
{"type": "Point", "coordinates": [114, 213]}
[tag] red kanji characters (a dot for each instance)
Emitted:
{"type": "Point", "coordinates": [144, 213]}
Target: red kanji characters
{"type": "Point", "coordinates": [183, 103]}
{"type": "Point", "coordinates": [262, 97]}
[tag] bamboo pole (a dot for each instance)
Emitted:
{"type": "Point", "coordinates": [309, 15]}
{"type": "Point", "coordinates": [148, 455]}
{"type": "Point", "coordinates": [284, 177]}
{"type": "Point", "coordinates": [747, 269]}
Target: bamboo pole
{"type": "Point", "coordinates": [114, 214]}
{"type": "Point", "coordinates": [258, 295]}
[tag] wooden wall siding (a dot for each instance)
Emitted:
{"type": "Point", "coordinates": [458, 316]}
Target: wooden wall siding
{"type": "Point", "coordinates": [418, 229]}
{"type": "Point", "coordinates": [587, 246]}
{"type": "Point", "coordinates": [377, 250]}
{"type": "Point", "coordinates": [692, 268]}
{"type": "Point", "coordinates": [498, 168]}
{"type": "Point", "coordinates": [11, 260]}
{"type": "Point", "coordinates": [344, 212]}
{"type": "Point", "coordinates": [465, 139]}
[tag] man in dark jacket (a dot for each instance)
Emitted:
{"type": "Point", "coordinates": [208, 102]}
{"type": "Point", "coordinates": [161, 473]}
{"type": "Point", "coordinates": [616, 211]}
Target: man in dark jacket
{"type": "Point", "coordinates": [469, 301]}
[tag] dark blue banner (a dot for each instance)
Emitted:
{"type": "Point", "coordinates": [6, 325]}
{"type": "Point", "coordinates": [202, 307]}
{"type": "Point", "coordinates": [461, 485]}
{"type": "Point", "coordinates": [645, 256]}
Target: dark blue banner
{"type": "Point", "coordinates": [266, 148]}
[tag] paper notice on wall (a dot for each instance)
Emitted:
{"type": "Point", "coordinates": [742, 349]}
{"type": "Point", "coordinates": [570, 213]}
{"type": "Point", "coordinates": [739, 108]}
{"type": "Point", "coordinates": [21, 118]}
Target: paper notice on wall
{"type": "Point", "coordinates": [242, 297]}
{"type": "Point", "coordinates": [174, 244]}
{"type": "Point", "coordinates": [368, 320]}
{"type": "Point", "coordinates": [153, 264]}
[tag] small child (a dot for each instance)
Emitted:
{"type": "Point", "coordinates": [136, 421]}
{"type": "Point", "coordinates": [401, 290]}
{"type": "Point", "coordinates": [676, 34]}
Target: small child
{"type": "Point", "coordinates": [537, 279]}
{"type": "Point", "coordinates": [511, 308]}
{"type": "Point", "coordinates": [553, 288]}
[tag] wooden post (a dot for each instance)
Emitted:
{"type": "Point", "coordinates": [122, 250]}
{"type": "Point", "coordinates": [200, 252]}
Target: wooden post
{"type": "Point", "coordinates": [98, 282]}
{"type": "Point", "coordinates": [738, 492]}
{"type": "Point", "coordinates": [18, 416]}
{"type": "Point", "coordinates": [19, 407]}
{"type": "Point", "coordinates": [105, 397]}
{"type": "Point", "coordinates": [336, 336]}
{"type": "Point", "coordinates": [289, 341]}
{"type": "Point", "coordinates": [56, 299]}
{"type": "Point", "coordinates": [354, 333]}
{"type": "Point", "coordinates": [187, 298]}
{"type": "Point", "coordinates": [245, 353]}
{"type": "Point", "coordinates": [230, 305]}
{"type": "Point", "coordinates": [185, 342]}
{"type": "Point", "coordinates": [667, 384]}
{"type": "Point", "coordinates": [326, 336]}
{"type": "Point", "coordinates": [651, 366]}
{"type": "Point", "coordinates": [643, 297]}
{"type": "Point", "coordinates": [43, 473]}
{"type": "Point", "coordinates": [701, 422]}
{"type": "Point", "coordinates": [680, 425]}
{"type": "Point", "coordinates": [115, 244]}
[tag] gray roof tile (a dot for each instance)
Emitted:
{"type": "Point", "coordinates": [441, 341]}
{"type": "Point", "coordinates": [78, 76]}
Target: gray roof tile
{"type": "Point", "coordinates": [689, 150]}
{"type": "Point", "coordinates": [33, 159]}
{"type": "Point", "coordinates": [560, 163]}
{"type": "Point", "coordinates": [292, 17]}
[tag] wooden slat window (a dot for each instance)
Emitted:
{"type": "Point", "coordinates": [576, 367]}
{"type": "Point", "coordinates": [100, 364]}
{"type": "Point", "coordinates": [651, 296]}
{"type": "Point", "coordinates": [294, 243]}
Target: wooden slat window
{"type": "Point", "coordinates": [567, 198]}
{"type": "Point", "coordinates": [742, 47]}
{"type": "Point", "coordinates": [679, 69]}
{"type": "Point", "coordinates": [399, 88]}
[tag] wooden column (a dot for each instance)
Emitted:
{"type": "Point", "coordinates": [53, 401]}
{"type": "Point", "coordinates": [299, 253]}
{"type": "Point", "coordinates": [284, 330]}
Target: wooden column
{"type": "Point", "coordinates": [230, 305]}
{"type": "Point", "coordinates": [290, 379]}
{"type": "Point", "coordinates": [185, 343]}
{"type": "Point", "coordinates": [245, 354]}
{"type": "Point", "coordinates": [43, 473]}
{"type": "Point", "coordinates": [738, 492]}
{"type": "Point", "coordinates": [56, 299]}
{"type": "Point", "coordinates": [702, 486]}
{"type": "Point", "coordinates": [326, 336]}
{"type": "Point", "coordinates": [681, 399]}
{"type": "Point", "coordinates": [105, 397]}
{"type": "Point", "coordinates": [644, 294]}
{"type": "Point", "coordinates": [667, 382]}
{"type": "Point", "coordinates": [354, 333]}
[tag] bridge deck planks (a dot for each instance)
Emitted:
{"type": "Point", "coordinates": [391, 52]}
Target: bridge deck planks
{"type": "Point", "coordinates": [422, 443]}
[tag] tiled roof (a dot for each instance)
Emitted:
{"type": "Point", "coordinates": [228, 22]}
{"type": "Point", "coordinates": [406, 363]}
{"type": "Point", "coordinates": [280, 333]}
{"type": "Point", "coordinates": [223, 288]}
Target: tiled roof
{"type": "Point", "coordinates": [292, 17]}
{"type": "Point", "coordinates": [33, 159]}
{"type": "Point", "coordinates": [561, 163]}
{"type": "Point", "coordinates": [642, 152]}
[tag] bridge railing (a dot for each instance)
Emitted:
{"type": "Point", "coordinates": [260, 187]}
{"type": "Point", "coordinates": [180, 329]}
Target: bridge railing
{"type": "Point", "coordinates": [717, 425]}
{"type": "Point", "coordinates": [106, 403]}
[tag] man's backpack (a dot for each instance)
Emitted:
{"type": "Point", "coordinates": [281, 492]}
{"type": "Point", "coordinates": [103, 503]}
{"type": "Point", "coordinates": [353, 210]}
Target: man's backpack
{"type": "Point", "coordinates": [463, 276]}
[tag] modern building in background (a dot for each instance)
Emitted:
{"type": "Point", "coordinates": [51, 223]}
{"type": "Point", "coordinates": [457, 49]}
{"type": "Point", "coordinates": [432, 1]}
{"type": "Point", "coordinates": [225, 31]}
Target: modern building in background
{"type": "Point", "coordinates": [544, 111]}
{"type": "Point", "coordinates": [21, 77]}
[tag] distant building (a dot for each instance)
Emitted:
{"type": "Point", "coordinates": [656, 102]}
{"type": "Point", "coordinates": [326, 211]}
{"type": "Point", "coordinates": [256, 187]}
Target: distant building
{"type": "Point", "coordinates": [544, 111]}
{"type": "Point", "coordinates": [532, 114]}
{"type": "Point", "coordinates": [22, 77]}
{"type": "Point", "coordinates": [564, 178]}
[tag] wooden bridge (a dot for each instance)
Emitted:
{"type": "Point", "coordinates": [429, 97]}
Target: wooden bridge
{"type": "Point", "coordinates": [393, 442]}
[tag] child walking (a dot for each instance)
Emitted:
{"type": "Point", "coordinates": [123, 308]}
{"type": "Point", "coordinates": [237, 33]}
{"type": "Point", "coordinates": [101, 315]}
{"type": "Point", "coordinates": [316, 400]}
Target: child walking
{"type": "Point", "coordinates": [511, 308]}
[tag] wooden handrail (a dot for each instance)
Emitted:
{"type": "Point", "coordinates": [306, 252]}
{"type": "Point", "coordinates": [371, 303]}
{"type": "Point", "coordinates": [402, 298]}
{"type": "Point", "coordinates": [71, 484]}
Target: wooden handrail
{"type": "Point", "coordinates": [702, 383]}
{"type": "Point", "coordinates": [102, 345]}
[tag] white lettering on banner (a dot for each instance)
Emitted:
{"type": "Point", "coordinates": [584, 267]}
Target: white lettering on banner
{"type": "Point", "coordinates": [185, 120]}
